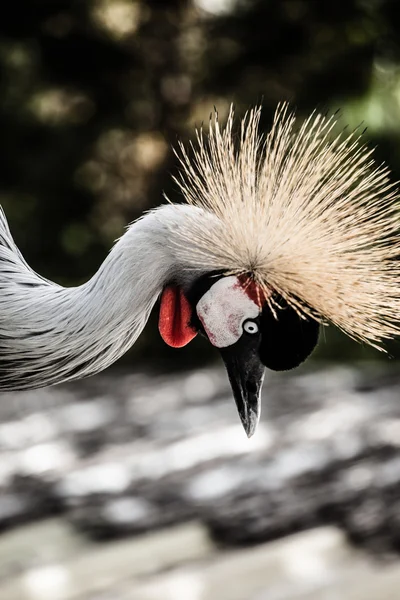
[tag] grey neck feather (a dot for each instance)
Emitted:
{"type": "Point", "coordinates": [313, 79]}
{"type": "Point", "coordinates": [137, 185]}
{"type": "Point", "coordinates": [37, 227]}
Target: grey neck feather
{"type": "Point", "coordinates": [50, 334]}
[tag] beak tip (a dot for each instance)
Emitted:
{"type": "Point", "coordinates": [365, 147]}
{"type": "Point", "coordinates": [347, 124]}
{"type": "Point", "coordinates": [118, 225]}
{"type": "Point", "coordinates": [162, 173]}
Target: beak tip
{"type": "Point", "coordinates": [250, 423]}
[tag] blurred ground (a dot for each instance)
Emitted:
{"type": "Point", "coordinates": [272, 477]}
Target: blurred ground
{"type": "Point", "coordinates": [115, 457]}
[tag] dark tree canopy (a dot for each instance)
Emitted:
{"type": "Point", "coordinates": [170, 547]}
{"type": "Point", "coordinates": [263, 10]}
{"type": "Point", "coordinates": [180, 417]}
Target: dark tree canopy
{"type": "Point", "coordinates": [93, 94]}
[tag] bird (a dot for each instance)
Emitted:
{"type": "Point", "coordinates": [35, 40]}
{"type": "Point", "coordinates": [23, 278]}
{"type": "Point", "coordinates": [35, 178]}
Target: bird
{"type": "Point", "coordinates": [279, 233]}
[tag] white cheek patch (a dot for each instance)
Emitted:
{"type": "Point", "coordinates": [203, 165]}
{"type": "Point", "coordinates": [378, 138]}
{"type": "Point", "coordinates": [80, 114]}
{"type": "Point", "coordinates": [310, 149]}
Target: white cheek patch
{"type": "Point", "coordinates": [223, 309]}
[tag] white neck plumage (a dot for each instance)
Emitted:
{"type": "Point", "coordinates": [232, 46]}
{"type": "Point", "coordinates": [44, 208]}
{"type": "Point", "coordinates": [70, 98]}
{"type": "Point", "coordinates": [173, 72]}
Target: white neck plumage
{"type": "Point", "coordinates": [50, 334]}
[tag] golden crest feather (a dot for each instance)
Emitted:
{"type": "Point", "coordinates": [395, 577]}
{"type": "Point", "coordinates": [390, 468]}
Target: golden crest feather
{"type": "Point", "coordinates": [307, 212]}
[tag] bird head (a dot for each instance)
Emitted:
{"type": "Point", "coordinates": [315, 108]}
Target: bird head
{"type": "Point", "coordinates": [250, 330]}
{"type": "Point", "coordinates": [287, 230]}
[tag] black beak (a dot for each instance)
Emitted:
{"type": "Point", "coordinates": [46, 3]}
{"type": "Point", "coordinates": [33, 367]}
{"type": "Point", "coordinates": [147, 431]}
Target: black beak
{"type": "Point", "coordinates": [246, 374]}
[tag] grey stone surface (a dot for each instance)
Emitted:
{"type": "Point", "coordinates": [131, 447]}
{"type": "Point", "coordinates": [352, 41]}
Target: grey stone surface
{"type": "Point", "coordinates": [54, 562]}
{"type": "Point", "coordinates": [182, 564]}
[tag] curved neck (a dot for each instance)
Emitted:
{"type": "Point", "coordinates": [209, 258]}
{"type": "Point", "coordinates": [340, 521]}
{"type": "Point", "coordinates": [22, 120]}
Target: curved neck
{"type": "Point", "coordinates": [132, 276]}
{"type": "Point", "coordinates": [50, 334]}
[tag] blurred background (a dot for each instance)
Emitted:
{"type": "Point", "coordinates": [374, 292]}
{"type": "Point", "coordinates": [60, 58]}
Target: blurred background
{"type": "Point", "coordinates": [140, 483]}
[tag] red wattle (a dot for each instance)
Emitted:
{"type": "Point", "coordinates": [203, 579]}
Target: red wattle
{"type": "Point", "coordinates": [175, 315]}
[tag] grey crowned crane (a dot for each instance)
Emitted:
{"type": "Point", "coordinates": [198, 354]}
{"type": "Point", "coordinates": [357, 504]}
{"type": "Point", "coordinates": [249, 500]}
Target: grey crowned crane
{"type": "Point", "coordinates": [279, 234]}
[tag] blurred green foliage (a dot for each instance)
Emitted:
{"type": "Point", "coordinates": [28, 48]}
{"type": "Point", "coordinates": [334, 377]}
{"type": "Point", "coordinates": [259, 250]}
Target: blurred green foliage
{"type": "Point", "coordinates": [93, 93]}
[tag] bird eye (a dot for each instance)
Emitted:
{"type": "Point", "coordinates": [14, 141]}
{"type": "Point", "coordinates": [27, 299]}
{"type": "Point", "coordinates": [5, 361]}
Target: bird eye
{"type": "Point", "coordinates": [250, 327]}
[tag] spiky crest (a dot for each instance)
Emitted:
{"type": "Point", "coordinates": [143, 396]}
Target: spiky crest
{"type": "Point", "coordinates": [305, 211]}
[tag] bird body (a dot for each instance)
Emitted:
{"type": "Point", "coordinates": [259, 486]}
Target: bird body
{"type": "Point", "coordinates": [279, 234]}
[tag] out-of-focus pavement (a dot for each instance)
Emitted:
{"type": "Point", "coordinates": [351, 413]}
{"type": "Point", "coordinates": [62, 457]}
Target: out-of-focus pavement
{"type": "Point", "coordinates": [183, 564]}
{"type": "Point", "coordinates": [146, 487]}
